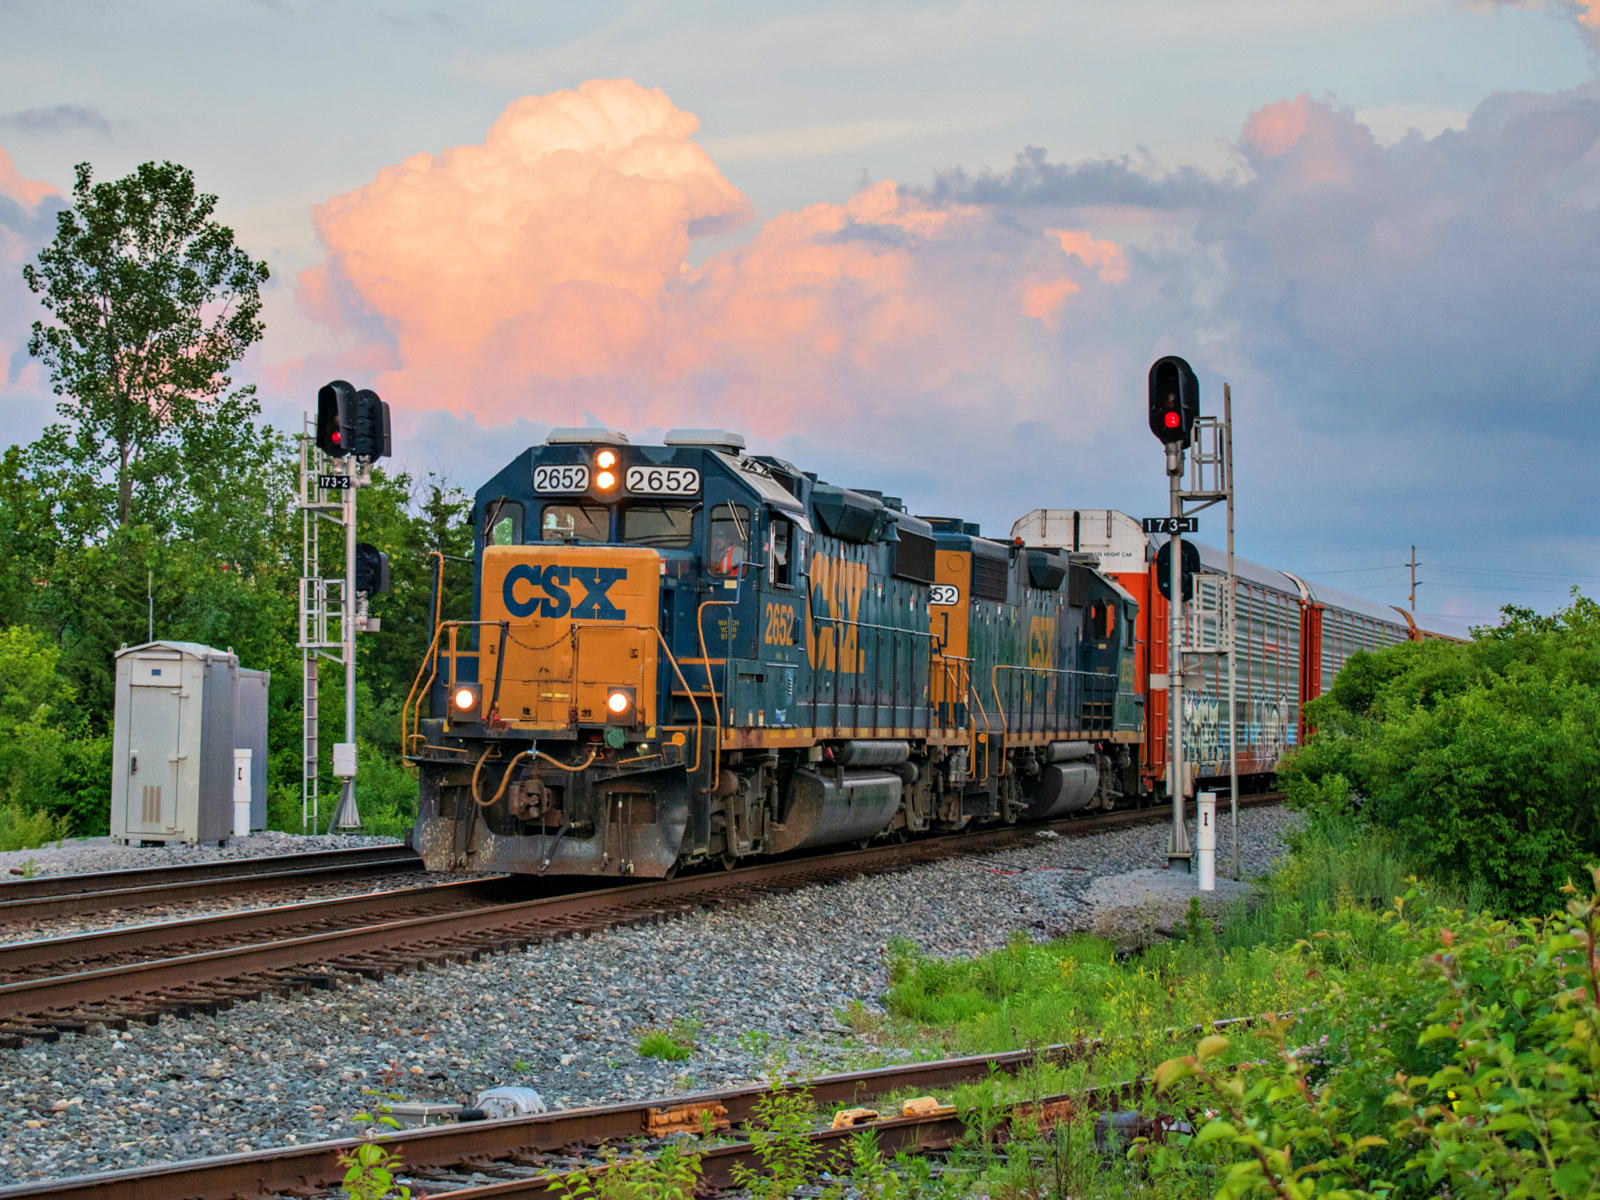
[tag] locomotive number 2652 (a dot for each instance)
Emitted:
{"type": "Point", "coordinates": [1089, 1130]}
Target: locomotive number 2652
{"type": "Point", "coordinates": [561, 479]}
{"type": "Point", "coordinates": [663, 481]}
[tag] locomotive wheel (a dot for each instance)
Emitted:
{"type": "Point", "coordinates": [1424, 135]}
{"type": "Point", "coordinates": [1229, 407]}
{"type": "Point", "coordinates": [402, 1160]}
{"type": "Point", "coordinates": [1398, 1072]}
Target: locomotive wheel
{"type": "Point", "coordinates": [729, 860]}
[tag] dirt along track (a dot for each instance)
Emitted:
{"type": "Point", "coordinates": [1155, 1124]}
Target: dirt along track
{"type": "Point", "coordinates": [517, 1157]}
{"type": "Point", "coordinates": [209, 964]}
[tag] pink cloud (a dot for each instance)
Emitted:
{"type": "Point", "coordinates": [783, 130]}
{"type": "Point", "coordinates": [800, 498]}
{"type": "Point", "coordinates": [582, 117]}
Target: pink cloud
{"type": "Point", "coordinates": [1273, 129]}
{"type": "Point", "coordinates": [546, 268]}
{"type": "Point", "coordinates": [15, 186]}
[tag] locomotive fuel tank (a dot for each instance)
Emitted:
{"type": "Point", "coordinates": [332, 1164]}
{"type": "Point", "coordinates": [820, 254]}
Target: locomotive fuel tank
{"type": "Point", "coordinates": [835, 805]}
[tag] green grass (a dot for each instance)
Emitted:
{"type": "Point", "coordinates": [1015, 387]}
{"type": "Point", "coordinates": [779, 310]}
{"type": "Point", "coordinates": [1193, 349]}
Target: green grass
{"type": "Point", "coordinates": [1266, 958]}
{"type": "Point", "coordinates": [657, 1043]}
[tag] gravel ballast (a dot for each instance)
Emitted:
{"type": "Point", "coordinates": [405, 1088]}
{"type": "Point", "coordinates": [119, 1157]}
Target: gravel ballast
{"type": "Point", "coordinates": [78, 856]}
{"type": "Point", "coordinates": [562, 1017]}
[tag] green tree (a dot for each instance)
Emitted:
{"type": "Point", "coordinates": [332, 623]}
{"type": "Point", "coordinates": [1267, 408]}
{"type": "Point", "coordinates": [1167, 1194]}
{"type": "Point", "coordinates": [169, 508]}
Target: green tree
{"type": "Point", "coordinates": [152, 305]}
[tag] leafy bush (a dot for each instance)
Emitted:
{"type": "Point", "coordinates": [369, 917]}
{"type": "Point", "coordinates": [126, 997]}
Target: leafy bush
{"type": "Point", "coordinates": [1471, 1071]}
{"type": "Point", "coordinates": [1483, 757]}
{"type": "Point", "coordinates": [27, 831]}
{"type": "Point", "coordinates": [55, 775]}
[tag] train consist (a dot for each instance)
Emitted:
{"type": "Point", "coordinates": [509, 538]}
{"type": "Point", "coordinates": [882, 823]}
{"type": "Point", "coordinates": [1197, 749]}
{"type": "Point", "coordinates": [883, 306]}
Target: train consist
{"type": "Point", "coordinates": [684, 653]}
{"type": "Point", "coordinates": [1292, 638]}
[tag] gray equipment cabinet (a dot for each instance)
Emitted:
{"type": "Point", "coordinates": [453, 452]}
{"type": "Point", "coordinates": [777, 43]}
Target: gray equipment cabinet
{"type": "Point", "coordinates": [250, 733]}
{"type": "Point", "coordinates": [173, 743]}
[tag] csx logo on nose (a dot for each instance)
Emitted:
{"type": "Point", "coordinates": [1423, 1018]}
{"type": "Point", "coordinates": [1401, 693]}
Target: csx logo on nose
{"type": "Point", "coordinates": [557, 601]}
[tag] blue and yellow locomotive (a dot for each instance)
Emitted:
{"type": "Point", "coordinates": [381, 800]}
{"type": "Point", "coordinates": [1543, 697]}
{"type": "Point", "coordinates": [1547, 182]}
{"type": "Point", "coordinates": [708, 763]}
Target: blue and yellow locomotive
{"type": "Point", "coordinates": [684, 654]}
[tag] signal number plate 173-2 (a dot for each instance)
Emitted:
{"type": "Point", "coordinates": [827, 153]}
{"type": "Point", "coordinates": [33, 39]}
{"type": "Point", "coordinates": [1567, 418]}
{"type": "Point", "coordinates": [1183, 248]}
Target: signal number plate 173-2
{"type": "Point", "coordinates": [566, 478]}
{"type": "Point", "coordinates": [663, 481]}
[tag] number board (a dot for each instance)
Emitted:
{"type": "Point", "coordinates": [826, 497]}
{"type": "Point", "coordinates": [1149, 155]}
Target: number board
{"type": "Point", "coordinates": [567, 477]}
{"type": "Point", "coordinates": [944, 593]}
{"type": "Point", "coordinates": [334, 483]}
{"type": "Point", "coordinates": [1172, 524]}
{"type": "Point", "coordinates": [663, 481]}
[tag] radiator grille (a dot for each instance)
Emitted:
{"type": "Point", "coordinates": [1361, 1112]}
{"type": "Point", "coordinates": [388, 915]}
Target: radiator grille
{"type": "Point", "coordinates": [989, 577]}
{"type": "Point", "coordinates": [913, 557]}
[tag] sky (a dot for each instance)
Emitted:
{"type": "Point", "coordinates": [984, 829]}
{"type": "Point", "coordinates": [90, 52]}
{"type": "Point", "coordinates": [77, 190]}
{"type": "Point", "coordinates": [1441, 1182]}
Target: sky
{"type": "Point", "coordinates": [926, 248]}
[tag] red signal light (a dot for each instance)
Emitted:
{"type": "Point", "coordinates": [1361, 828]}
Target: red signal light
{"type": "Point", "coordinates": [334, 437]}
{"type": "Point", "coordinates": [1171, 420]}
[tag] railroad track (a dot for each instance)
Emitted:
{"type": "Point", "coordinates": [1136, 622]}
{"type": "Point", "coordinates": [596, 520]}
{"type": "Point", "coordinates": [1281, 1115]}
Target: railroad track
{"type": "Point", "coordinates": [516, 1157]}
{"type": "Point", "coordinates": [70, 895]}
{"type": "Point", "coordinates": [225, 959]}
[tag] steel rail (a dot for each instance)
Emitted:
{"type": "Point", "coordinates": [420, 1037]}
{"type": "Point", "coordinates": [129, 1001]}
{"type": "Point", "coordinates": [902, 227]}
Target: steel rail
{"type": "Point", "coordinates": [67, 895]}
{"type": "Point", "coordinates": [41, 1006]}
{"type": "Point", "coordinates": [312, 1167]}
{"type": "Point", "coordinates": [78, 948]}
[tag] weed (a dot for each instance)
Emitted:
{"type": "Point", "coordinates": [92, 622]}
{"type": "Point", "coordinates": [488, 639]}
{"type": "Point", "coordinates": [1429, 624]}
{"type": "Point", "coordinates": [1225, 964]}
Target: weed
{"type": "Point", "coordinates": [780, 1141]}
{"type": "Point", "coordinates": [30, 868]}
{"type": "Point", "coordinates": [672, 1174]}
{"type": "Point", "coordinates": [369, 1173]}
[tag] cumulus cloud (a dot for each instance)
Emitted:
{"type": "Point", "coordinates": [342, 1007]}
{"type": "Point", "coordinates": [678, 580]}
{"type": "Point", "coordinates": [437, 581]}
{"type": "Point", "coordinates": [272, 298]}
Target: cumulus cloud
{"type": "Point", "coordinates": [546, 269]}
{"type": "Point", "coordinates": [1408, 324]}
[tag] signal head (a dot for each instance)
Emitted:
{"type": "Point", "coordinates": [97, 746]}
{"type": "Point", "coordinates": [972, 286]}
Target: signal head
{"type": "Point", "coordinates": [1174, 400]}
{"type": "Point", "coordinates": [336, 418]}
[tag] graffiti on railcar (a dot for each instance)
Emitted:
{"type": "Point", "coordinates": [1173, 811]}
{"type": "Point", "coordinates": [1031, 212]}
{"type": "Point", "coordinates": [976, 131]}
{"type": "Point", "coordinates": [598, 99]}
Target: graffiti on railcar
{"type": "Point", "coordinates": [1265, 729]}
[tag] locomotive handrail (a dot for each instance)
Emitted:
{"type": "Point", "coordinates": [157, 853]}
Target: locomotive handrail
{"type": "Point", "coordinates": [849, 623]}
{"type": "Point", "coordinates": [408, 732]}
{"type": "Point", "coordinates": [699, 721]}
{"type": "Point", "coordinates": [994, 685]}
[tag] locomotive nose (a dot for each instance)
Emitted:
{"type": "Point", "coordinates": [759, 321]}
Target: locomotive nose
{"type": "Point", "coordinates": [582, 647]}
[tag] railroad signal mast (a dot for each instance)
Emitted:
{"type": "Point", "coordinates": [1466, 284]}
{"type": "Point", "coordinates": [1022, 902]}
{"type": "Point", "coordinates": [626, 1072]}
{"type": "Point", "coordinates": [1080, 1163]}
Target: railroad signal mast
{"type": "Point", "coordinates": [1174, 397]}
{"type": "Point", "coordinates": [350, 433]}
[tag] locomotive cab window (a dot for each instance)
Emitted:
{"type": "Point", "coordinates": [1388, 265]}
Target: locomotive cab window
{"type": "Point", "coordinates": [575, 522]}
{"type": "Point", "coordinates": [727, 538]}
{"type": "Point", "coordinates": [782, 556]}
{"type": "Point", "coordinates": [1102, 620]}
{"type": "Point", "coordinates": [665, 526]}
{"type": "Point", "coordinates": [502, 523]}
{"type": "Point", "coordinates": [1129, 629]}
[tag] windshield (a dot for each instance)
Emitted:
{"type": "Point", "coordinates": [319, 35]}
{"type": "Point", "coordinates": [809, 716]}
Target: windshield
{"type": "Point", "coordinates": [577, 522]}
{"type": "Point", "coordinates": [668, 526]}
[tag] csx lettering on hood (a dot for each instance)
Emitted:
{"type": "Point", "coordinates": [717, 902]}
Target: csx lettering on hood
{"type": "Point", "coordinates": [556, 583]}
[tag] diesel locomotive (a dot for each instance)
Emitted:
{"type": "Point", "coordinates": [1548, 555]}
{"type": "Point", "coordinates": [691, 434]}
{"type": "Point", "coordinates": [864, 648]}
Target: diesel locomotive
{"type": "Point", "coordinates": [686, 654]}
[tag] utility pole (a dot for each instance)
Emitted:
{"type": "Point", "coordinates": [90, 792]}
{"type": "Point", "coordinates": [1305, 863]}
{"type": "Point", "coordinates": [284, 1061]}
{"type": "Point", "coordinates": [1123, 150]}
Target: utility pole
{"type": "Point", "coordinates": [1414, 565]}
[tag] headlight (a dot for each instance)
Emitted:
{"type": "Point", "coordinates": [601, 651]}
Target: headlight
{"type": "Point", "coordinates": [605, 481]}
{"type": "Point", "coordinates": [620, 705]}
{"type": "Point", "coordinates": [606, 459]}
{"type": "Point", "coordinates": [465, 699]}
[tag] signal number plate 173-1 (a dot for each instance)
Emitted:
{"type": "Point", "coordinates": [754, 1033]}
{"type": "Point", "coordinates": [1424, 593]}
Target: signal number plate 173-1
{"type": "Point", "coordinates": [663, 481]}
{"type": "Point", "coordinates": [567, 478]}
